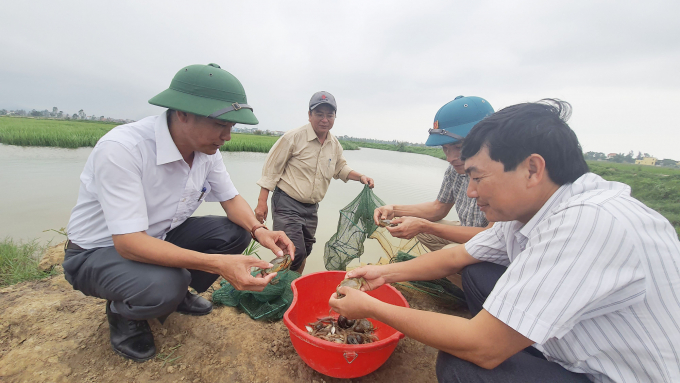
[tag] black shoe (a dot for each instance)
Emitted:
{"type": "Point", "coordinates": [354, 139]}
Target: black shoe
{"type": "Point", "coordinates": [194, 305]}
{"type": "Point", "coordinates": [131, 339]}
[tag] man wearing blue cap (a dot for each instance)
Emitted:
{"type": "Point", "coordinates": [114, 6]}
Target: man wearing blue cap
{"type": "Point", "coordinates": [584, 273]}
{"type": "Point", "coordinates": [299, 169]}
{"type": "Point", "coordinates": [452, 123]}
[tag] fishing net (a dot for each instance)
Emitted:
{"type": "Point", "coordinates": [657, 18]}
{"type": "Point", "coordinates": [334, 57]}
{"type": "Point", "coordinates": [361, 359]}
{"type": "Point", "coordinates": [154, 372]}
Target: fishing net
{"type": "Point", "coordinates": [356, 224]}
{"type": "Point", "coordinates": [269, 304]}
{"type": "Point", "coordinates": [442, 289]}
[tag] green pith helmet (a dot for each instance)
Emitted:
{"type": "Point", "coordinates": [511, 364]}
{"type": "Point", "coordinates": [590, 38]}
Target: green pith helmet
{"type": "Point", "coordinates": [208, 91]}
{"type": "Point", "coordinates": [454, 120]}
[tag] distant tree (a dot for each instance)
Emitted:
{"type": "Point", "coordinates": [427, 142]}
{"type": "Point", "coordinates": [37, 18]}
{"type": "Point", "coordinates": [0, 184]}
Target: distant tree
{"type": "Point", "coordinates": [595, 156]}
{"type": "Point", "coordinates": [55, 111]}
{"type": "Point", "coordinates": [668, 162]}
{"type": "Point", "coordinates": [60, 114]}
{"type": "Point", "coordinates": [619, 158]}
{"type": "Point", "coordinates": [647, 155]}
{"type": "Point", "coordinates": [639, 156]}
{"type": "Point", "coordinates": [629, 158]}
{"type": "Point", "coordinates": [35, 113]}
{"type": "Point", "coordinates": [3, 112]}
{"type": "Point", "coordinates": [75, 116]}
{"type": "Point", "coordinates": [82, 115]}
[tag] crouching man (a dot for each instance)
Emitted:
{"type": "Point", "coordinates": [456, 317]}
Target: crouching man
{"type": "Point", "coordinates": [131, 238]}
{"type": "Point", "coordinates": [583, 272]}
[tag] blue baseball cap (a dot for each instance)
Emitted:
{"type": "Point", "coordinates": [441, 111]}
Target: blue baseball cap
{"type": "Point", "coordinates": [454, 120]}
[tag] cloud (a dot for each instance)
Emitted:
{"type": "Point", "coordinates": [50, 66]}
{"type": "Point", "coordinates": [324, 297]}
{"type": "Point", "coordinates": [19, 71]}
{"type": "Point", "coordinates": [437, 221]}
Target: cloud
{"type": "Point", "coordinates": [391, 65]}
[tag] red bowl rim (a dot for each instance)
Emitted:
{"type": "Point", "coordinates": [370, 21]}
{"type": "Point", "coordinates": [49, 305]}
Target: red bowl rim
{"type": "Point", "coordinates": [394, 338]}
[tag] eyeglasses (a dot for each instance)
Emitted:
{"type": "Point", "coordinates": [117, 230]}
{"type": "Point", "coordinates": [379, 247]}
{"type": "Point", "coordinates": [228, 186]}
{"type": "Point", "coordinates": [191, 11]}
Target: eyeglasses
{"type": "Point", "coordinates": [321, 116]}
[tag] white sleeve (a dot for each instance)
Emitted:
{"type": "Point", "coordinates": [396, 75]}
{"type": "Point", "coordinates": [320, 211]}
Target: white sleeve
{"type": "Point", "coordinates": [578, 264]}
{"type": "Point", "coordinates": [490, 245]}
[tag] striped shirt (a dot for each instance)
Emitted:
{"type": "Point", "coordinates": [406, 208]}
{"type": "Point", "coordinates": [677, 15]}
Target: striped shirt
{"type": "Point", "coordinates": [594, 279]}
{"type": "Point", "coordinates": [454, 190]}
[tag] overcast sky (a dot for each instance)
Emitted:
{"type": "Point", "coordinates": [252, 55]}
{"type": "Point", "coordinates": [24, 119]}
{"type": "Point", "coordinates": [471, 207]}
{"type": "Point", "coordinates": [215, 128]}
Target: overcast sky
{"type": "Point", "coordinates": [391, 65]}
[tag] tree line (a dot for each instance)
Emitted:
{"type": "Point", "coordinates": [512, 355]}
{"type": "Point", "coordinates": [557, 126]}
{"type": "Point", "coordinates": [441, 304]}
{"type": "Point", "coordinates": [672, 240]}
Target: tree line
{"type": "Point", "coordinates": [59, 115]}
{"type": "Point", "coordinates": [628, 158]}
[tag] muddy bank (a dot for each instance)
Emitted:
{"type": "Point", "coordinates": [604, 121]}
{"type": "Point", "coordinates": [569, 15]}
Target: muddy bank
{"type": "Point", "coordinates": [51, 333]}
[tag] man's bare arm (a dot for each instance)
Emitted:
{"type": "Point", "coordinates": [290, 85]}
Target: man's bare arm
{"type": "Point", "coordinates": [239, 212]}
{"type": "Point", "coordinates": [429, 266]}
{"type": "Point", "coordinates": [483, 340]}
{"type": "Point", "coordinates": [235, 268]}
{"type": "Point", "coordinates": [459, 234]}
{"type": "Point", "coordinates": [431, 211]}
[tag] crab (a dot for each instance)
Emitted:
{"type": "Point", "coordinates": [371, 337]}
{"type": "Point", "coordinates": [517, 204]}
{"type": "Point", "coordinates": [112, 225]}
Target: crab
{"type": "Point", "coordinates": [386, 223]}
{"type": "Point", "coordinates": [355, 283]}
{"type": "Point", "coordinates": [278, 264]}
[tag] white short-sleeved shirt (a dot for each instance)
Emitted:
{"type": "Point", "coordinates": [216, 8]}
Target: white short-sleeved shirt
{"type": "Point", "coordinates": [136, 180]}
{"type": "Point", "coordinates": [594, 279]}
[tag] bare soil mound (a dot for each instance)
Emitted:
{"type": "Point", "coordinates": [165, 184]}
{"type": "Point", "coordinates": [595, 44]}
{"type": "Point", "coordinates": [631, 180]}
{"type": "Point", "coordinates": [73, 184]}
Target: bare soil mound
{"type": "Point", "coordinates": [52, 333]}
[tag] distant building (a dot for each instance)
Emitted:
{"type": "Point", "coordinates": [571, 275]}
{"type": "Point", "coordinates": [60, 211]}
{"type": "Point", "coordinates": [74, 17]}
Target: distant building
{"type": "Point", "coordinates": [611, 155]}
{"type": "Point", "coordinates": [646, 161]}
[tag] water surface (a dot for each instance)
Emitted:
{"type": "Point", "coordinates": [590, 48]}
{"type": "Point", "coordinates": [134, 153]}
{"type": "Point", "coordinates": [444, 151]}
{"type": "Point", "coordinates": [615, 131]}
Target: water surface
{"type": "Point", "coordinates": [39, 187]}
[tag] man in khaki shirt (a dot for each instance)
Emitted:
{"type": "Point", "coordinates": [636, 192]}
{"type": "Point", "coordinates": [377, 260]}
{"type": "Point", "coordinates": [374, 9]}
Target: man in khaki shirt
{"type": "Point", "coordinates": [298, 169]}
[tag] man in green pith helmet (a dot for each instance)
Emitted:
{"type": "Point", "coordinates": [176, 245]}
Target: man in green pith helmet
{"type": "Point", "coordinates": [298, 169]}
{"type": "Point", "coordinates": [132, 240]}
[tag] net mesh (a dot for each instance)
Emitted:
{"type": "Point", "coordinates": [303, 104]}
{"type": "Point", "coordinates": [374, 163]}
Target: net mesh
{"type": "Point", "coordinates": [269, 304]}
{"type": "Point", "coordinates": [356, 224]}
{"type": "Point", "coordinates": [354, 227]}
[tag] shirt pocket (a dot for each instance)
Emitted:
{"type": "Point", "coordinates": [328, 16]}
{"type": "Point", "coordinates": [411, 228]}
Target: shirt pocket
{"type": "Point", "coordinates": [196, 197]}
{"type": "Point", "coordinates": [328, 167]}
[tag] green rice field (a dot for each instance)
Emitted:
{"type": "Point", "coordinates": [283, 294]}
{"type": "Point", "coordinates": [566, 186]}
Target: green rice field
{"type": "Point", "coordinates": [57, 133]}
{"type": "Point", "coordinates": [75, 134]}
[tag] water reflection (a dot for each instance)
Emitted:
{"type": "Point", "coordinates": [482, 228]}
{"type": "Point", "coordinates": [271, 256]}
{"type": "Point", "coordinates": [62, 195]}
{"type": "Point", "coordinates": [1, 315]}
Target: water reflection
{"type": "Point", "coordinates": [40, 187]}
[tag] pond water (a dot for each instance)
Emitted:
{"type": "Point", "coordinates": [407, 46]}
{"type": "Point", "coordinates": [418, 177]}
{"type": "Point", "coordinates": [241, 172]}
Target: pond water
{"type": "Point", "coordinates": [39, 187]}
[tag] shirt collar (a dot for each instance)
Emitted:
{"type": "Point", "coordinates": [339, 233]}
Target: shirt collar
{"type": "Point", "coordinates": [166, 150]}
{"type": "Point", "coordinates": [311, 134]}
{"type": "Point", "coordinates": [554, 200]}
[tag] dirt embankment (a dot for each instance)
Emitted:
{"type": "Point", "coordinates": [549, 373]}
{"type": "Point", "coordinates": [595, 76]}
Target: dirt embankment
{"type": "Point", "coordinates": [51, 333]}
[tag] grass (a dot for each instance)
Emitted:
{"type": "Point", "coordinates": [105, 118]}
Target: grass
{"type": "Point", "coordinates": [19, 262]}
{"type": "Point", "coordinates": [75, 134]}
{"type": "Point", "coordinates": [56, 133]}
{"type": "Point", "coordinates": [433, 152]}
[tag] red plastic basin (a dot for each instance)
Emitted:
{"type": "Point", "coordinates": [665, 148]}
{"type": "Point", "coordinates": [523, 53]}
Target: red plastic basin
{"type": "Point", "coordinates": [311, 294]}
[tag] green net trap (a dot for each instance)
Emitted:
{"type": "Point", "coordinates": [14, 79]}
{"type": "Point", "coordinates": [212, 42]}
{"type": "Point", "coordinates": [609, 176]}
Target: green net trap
{"type": "Point", "coordinates": [269, 304]}
{"type": "Point", "coordinates": [356, 224]}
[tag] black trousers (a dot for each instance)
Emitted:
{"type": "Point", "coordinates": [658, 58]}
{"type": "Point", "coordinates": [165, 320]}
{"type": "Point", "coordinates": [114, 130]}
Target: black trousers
{"type": "Point", "coordinates": [298, 220]}
{"type": "Point", "coordinates": [528, 365]}
{"type": "Point", "coordinates": [142, 290]}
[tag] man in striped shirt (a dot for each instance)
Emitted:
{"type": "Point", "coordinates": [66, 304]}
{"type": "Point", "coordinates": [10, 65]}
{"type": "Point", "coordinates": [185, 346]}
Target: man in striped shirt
{"type": "Point", "coordinates": [585, 273]}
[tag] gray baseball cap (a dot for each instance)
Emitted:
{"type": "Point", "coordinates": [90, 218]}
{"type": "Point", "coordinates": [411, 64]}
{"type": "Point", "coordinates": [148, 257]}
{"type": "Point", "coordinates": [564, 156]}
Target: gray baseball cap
{"type": "Point", "coordinates": [322, 97]}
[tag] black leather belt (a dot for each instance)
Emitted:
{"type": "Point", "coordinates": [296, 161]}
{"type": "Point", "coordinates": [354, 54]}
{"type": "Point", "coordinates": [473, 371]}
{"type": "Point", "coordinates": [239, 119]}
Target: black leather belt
{"type": "Point", "coordinates": [72, 246]}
